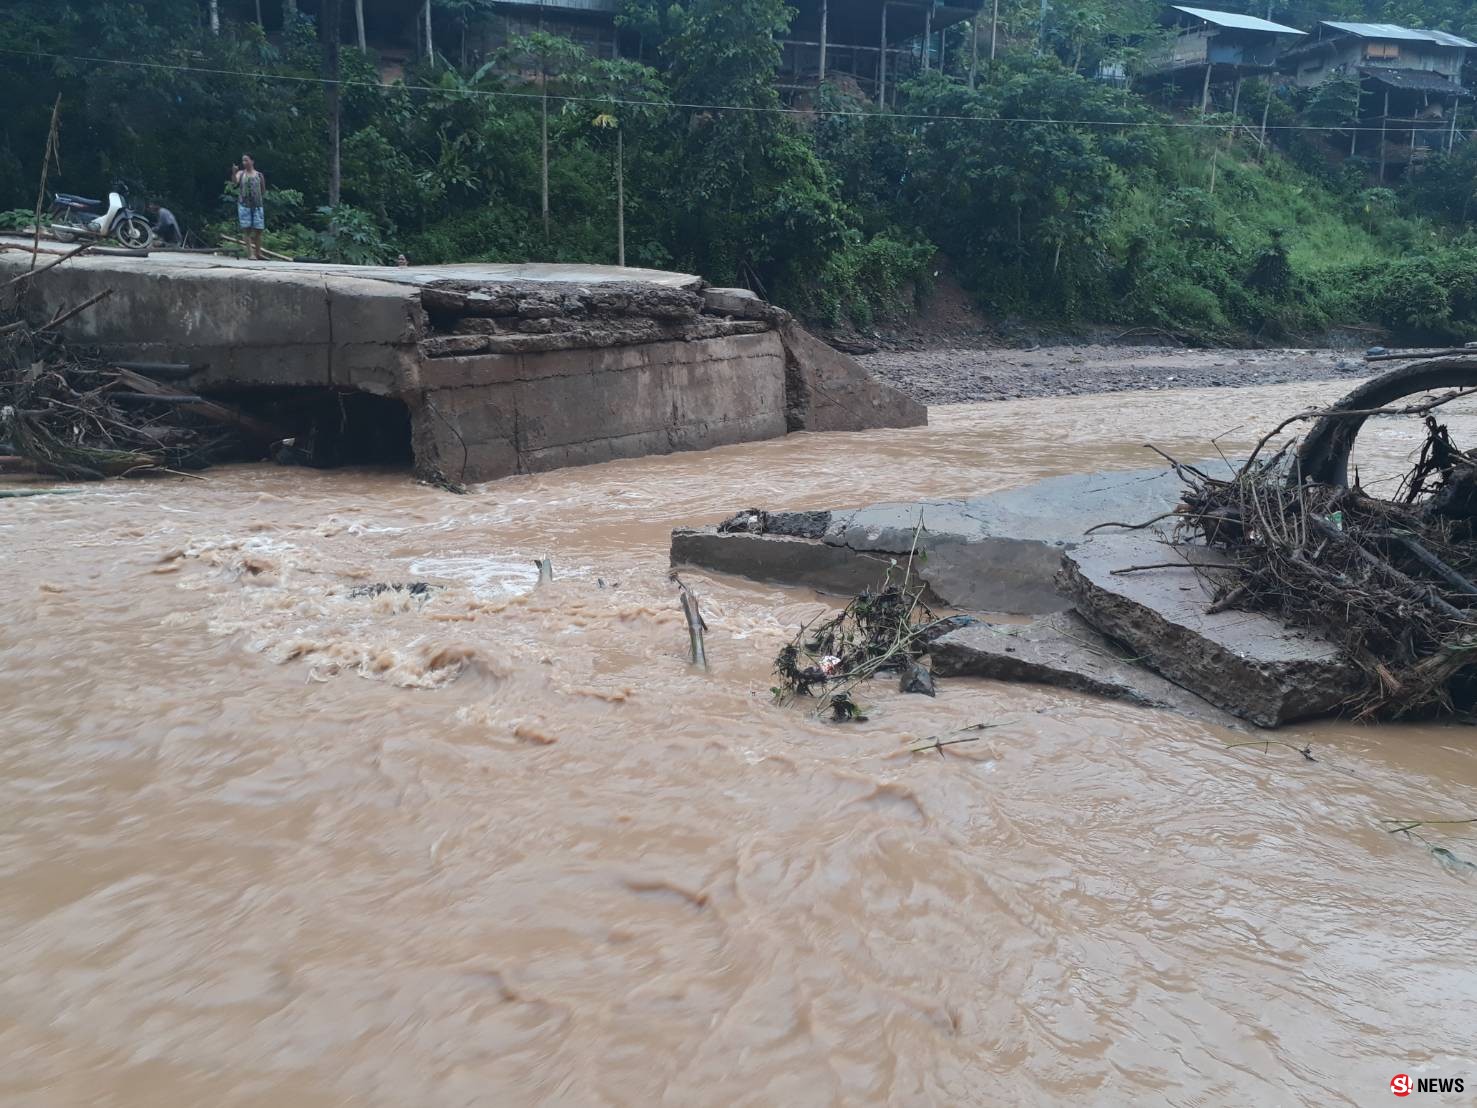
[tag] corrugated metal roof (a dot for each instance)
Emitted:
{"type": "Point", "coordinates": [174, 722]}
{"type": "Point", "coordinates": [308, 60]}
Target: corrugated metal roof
{"type": "Point", "coordinates": [1407, 34]}
{"type": "Point", "coordinates": [1413, 80]}
{"type": "Point", "coordinates": [1240, 22]}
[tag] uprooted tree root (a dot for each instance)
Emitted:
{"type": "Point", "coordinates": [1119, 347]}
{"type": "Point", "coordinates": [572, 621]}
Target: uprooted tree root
{"type": "Point", "coordinates": [1389, 582]}
{"type": "Point", "coordinates": [73, 415]}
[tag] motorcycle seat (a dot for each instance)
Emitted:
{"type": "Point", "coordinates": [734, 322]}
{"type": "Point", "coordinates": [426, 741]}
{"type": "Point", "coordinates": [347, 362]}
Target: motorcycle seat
{"type": "Point", "coordinates": [73, 201]}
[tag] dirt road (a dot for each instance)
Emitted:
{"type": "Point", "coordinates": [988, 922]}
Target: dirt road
{"type": "Point", "coordinates": [960, 375]}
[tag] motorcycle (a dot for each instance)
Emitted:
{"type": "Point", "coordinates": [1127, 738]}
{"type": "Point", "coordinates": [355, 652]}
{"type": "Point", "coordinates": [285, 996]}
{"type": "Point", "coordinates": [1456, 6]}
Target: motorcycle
{"type": "Point", "coordinates": [78, 217]}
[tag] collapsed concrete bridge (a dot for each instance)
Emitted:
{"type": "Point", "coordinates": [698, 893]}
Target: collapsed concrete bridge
{"type": "Point", "coordinates": [500, 369]}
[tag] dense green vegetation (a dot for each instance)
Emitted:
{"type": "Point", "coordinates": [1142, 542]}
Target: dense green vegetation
{"type": "Point", "coordinates": [1105, 208]}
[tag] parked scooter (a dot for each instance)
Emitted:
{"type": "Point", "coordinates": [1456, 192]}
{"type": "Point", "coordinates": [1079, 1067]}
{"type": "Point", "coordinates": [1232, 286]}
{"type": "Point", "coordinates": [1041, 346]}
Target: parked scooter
{"type": "Point", "coordinates": [76, 218]}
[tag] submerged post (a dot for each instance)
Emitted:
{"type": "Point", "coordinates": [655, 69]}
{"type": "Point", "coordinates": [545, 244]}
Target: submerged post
{"type": "Point", "coordinates": [695, 624]}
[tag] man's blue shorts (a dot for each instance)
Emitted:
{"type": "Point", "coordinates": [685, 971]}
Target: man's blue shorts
{"type": "Point", "coordinates": [250, 218]}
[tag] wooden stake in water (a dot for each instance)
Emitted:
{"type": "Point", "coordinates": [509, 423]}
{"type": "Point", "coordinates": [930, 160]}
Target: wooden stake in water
{"type": "Point", "coordinates": [695, 624]}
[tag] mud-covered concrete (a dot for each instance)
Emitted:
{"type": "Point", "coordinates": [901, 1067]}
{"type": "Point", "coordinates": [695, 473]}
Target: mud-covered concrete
{"type": "Point", "coordinates": [504, 369]}
{"type": "Point", "coordinates": [1251, 665]}
{"type": "Point", "coordinates": [1000, 552]}
{"type": "Point", "coordinates": [1065, 651]}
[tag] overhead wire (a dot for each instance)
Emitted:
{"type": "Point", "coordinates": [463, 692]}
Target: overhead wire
{"type": "Point", "coordinates": [511, 94]}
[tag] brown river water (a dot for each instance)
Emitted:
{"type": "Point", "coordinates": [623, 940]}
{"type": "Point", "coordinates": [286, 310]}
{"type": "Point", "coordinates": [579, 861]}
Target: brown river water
{"type": "Point", "coordinates": [266, 843]}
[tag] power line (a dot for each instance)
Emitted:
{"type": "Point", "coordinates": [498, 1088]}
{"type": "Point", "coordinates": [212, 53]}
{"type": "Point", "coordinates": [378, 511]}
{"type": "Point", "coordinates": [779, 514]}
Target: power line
{"type": "Point", "coordinates": [917, 117]}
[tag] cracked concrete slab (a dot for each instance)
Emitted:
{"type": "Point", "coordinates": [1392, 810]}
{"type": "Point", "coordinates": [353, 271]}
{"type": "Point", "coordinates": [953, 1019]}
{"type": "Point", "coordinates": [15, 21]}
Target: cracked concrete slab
{"type": "Point", "coordinates": [1249, 664]}
{"type": "Point", "coordinates": [1064, 651]}
{"type": "Point", "coordinates": [503, 368]}
{"type": "Point", "coordinates": [999, 552]}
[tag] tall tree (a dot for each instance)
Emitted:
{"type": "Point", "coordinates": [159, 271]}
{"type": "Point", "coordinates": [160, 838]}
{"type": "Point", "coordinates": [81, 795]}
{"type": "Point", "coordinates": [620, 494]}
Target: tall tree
{"type": "Point", "coordinates": [753, 201]}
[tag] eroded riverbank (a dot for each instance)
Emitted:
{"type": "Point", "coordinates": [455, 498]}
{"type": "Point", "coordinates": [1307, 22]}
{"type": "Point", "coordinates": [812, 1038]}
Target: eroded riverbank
{"type": "Point", "coordinates": [265, 840]}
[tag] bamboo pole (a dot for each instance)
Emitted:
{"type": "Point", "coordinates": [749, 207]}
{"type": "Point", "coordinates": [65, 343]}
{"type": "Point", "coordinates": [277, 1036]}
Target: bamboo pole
{"type": "Point", "coordinates": [34, 272]}
{"type": "Point", "coordinates": [1261, 139]}
{"type": "Point", "coordinates": [269, 253]}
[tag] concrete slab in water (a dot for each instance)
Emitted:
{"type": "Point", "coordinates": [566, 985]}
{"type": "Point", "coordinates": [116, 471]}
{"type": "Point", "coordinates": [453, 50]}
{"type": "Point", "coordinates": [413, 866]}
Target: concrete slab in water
{"type": "Point", "coordinates": [1251, 665]}
{"type": "Point", "coordinates": [999, 552]}
{"type": "Point", "coordinates": [1065, 651]}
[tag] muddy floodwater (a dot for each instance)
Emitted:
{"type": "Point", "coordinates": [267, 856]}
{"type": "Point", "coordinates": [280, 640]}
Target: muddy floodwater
{"type": "Point", "coordinates": [266, 841]}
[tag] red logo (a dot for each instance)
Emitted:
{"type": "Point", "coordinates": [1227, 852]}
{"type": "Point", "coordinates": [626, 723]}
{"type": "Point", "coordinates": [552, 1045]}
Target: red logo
{"type": "Point", "coordinates": [1400, 1084]}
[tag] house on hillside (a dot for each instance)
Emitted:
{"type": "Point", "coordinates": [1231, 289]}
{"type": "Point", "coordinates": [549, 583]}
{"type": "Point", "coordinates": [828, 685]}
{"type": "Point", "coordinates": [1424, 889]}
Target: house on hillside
{"type": "Point", "coordinates": [1212, 48]}
{"type": "Point", "coordinates": [872, 43]}
{"type": "Point", "coordinates": [1410, 84]}
{"type": "Point", "coordinates": [590, 23]}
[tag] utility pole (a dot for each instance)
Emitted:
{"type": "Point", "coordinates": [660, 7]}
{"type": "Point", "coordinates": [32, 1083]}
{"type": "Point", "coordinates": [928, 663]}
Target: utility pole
{"type": "Point", "coordinates": [359, 22]}
{"type": "Point", "coordinates": [329, 30]}
{"type": "Point", "coordinates": [215, 17]}
{"type": "Point", "coordinates": [994, 31]}
{"type": "Point", "coordinates": [430, 46]}
{"type": "Point", "coordinates": [620, 195]}
{"type": "Point", "coordinates": [825, 6]}
{"type": "Point", "coordinates": [974, 48]}
{"type": "Point", "coordinates": [928, 33]}
{"type": "Point", "coordinates": [882, 61]}
{"type": "Point", "coordinates": [1205, 92]}
{"type": "Point", "coordinates": [1384, 122]}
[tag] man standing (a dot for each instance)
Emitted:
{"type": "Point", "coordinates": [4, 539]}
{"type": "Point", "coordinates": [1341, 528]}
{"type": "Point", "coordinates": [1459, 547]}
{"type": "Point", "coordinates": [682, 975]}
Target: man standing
{"type": "Point", "coordinates": [251, 189]}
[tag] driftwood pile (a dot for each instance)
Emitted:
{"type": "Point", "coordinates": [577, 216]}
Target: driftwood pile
{"type": "Point", "coordinates": [1393, 582]}
{"type": "Point", "coordinates": [68, 412]}
{"type": "Point", "coordinates": [886, 631]}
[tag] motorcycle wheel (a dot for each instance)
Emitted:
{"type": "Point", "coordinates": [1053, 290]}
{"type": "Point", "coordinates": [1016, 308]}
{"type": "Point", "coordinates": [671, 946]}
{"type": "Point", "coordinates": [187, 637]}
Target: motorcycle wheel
{"type": "Point", "coordinates": [134, 232]}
